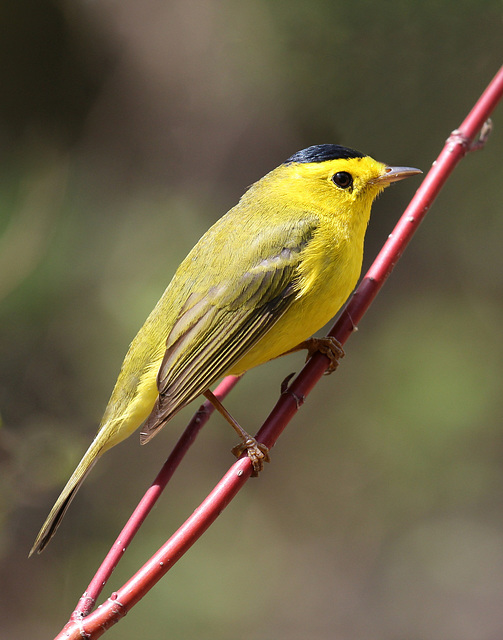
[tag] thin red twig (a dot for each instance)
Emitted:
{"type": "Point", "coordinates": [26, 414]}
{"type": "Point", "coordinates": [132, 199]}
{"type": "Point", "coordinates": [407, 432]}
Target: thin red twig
{"type": "Point", "coordinates": [120, 602]}
{"type": "Point", "coordinates": [200, 418]}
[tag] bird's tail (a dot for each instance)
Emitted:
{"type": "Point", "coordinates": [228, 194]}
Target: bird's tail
{"type": "Point", "coordinates": [63, 502]}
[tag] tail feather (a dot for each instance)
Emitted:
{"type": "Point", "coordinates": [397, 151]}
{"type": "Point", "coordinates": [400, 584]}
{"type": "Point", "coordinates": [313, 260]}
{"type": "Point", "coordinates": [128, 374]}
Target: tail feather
{"type": "Point", "coordinates": [54, 518]}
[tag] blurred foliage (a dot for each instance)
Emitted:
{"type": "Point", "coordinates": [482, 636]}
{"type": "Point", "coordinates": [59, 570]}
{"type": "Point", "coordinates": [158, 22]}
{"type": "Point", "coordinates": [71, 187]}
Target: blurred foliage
{"type": "Point", "coordinates": [126, 129]}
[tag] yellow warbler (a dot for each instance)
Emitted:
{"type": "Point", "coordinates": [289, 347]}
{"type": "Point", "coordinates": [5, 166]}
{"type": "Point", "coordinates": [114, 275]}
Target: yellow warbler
{"type": "Point", "coordinates": [265, 277]}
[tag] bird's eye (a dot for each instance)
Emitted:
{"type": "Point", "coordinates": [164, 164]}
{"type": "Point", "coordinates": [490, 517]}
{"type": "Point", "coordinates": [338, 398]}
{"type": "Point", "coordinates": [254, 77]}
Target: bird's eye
{"type": "Point", "coordinates": [342, 179]}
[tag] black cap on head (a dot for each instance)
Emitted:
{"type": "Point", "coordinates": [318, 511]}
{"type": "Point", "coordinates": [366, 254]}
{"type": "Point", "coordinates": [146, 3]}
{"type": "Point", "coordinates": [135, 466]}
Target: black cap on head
{"type": "Point", "coordinates": [323, 152]}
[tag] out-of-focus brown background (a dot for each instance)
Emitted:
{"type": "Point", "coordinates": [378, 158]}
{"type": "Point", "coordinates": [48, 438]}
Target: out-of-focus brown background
{"type": "Point", "coordinates": [126, 129]}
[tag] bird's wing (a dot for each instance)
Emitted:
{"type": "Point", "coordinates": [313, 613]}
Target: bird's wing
{"type": "Point", "coordinates": [216, 329]}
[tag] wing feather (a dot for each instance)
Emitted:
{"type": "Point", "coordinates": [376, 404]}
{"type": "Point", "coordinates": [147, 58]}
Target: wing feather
{"type": "Point", "coordinates": [213, 331]}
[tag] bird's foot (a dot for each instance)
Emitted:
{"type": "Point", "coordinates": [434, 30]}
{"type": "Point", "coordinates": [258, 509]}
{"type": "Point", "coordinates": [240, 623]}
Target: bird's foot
{"type": "Point", "coordinates": [329, 347]}
{"type": "Point", "coordinates": [257, 452]}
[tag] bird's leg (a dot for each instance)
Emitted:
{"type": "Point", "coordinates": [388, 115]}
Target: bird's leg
{"type": "Point", "coordinates": [257, 452]}
{"type": "Point", "coordinates": [329, 346]}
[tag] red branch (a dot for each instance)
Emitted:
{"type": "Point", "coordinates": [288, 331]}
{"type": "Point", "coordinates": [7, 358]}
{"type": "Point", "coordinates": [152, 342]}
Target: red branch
{"type": "Point", "coordinates": [200, 418]}
{"type": "Point", "coordinates": [95, 624]}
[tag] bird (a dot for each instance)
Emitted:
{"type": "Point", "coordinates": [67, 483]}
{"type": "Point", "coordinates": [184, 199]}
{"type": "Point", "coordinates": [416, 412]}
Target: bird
{"type": "Point", "coordinates": [258, 284]}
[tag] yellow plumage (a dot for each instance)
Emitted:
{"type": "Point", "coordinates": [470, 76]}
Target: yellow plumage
{"type": "Point", "coordinates": [265, 277]}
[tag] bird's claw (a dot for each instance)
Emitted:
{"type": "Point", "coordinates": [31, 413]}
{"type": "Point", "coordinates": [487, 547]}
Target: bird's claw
{"type": "Point", "coordinates": [328, 346]}
{"type": "Point", "coordinates": [257, 452]}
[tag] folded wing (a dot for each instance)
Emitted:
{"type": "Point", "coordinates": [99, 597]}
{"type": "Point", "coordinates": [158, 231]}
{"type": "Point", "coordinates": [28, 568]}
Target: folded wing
{"type": "Point", "coordinates": [215, 329]}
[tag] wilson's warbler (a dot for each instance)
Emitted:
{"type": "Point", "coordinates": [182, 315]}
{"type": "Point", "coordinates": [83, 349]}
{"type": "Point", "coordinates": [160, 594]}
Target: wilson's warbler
{"type": "Point", "coordinates": [265, 277]}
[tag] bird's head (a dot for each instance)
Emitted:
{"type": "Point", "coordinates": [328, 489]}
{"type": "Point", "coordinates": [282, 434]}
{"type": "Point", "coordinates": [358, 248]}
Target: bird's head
{"type": "Point", "coordinates": [333, 177]}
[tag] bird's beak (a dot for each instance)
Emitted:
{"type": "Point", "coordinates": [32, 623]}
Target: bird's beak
{"type": "Point", "coordinates": [393, 174]}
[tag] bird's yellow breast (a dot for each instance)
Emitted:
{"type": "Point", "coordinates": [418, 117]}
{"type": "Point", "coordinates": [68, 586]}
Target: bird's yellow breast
{"type": "Point", "coordinates": [328, 273]}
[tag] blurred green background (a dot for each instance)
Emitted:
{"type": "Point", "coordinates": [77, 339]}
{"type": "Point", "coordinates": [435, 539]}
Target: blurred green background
{"type": "Point", "coordinates": [126, 129]}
